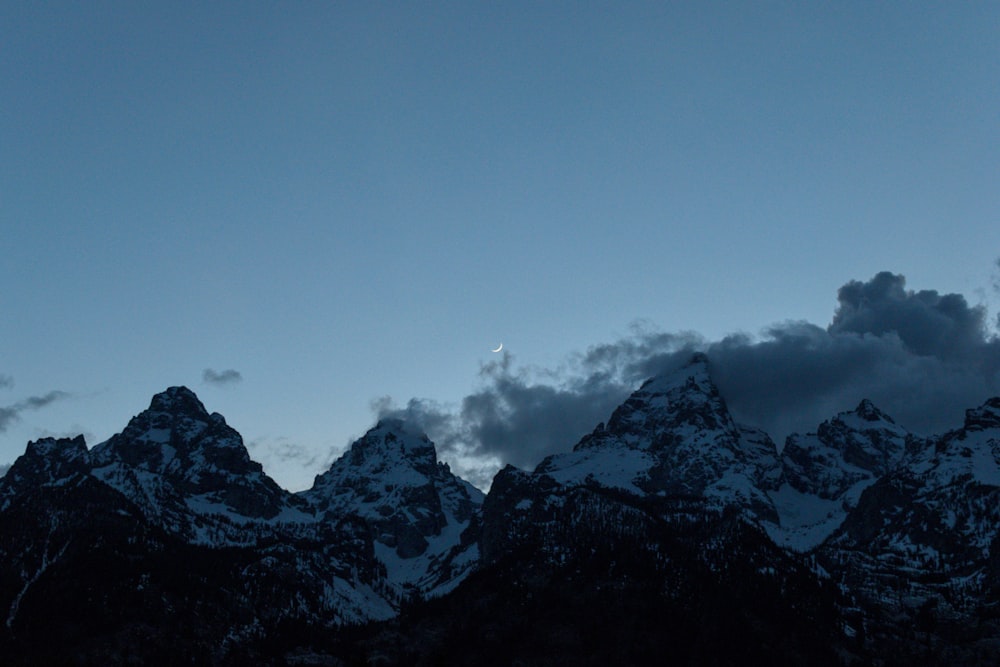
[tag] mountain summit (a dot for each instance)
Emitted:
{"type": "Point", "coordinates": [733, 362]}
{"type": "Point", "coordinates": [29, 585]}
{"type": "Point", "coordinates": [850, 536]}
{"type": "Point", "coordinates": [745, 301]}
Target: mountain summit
{"type": "Point", "coordinates": [183, 465]}
{"type": "Point", "coordinates": [675, 437]}
{"type": "Point", "coordinates": [669, 528]}
{"type": "Point", "coordinates": [826, 472]}
{"type": "Point", "coordinates": [417, 509]}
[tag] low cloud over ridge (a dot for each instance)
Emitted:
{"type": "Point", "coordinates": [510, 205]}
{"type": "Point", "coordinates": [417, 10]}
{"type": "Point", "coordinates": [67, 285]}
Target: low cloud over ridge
{"type": "Point", "coordinates": [921, 356]}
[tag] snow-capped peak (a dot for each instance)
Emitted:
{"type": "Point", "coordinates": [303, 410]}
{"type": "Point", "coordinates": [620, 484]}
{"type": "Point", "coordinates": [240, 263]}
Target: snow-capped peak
{"type": "Point", "coordinates": [177, 436]}
{"type": "Point", "coordinates": [693, 375]}
{"type": "Point", "coordinates": [674, 437]}
{"type": "Point", "coordinates": [391, 479]}
{"type": "Point", "coordinates": [683, 401]}
{"type": "Point", "coordinates": [391, 456]}
{"type": "Point", "coordinates": [175, 457]}
{"type": "Point", "coordinates": [393, 441]}
{"type": "Point", "coordinates": [866, 410]}
{"type": "Point", "coordinates": [827, 471]}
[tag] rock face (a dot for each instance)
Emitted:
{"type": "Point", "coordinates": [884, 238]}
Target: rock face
{"type": "Point", "coordinates": [672, 445]}
{"type": "Point", "coordinates": [45, 462]}
{"type": "Point", "coordinates": [919, 549]}
{"type": "Point", "coordinates": [675, 438]}
{"type": "Point", "coordinates": [669, 496]}
{"type": "Point", "coordinates": [853, 447]}
{"type": "Point", "coordinates": [906, 528]}
{"type": "Point", "coordinates": [669, 529]}
{"type": "Point", "coordinates": [385, 525]}
{"type": "Point", "coordinates": [189, 472]}
{"type": "Point", "coordinates": [418, 511]}
{"type": "Point", "coordinates": [825, 472]}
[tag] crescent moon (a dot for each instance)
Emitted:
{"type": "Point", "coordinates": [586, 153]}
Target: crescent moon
{"type": "Point", "coordinates": [499, 347]}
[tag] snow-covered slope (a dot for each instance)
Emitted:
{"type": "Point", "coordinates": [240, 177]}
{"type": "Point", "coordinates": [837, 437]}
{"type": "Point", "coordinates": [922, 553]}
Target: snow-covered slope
{"type": "Point", "coordinates": [942, 506]}
{"type": "Point", "coordinates": [189, 471]}
{"type": "Point", "coordinates": [675, 437]}
{"type": "Point", "coordinates": [671, 452]}
{"type": "Point", "coordinates": [897, 531]}
{"type": "Point", "coordinates": [418, 510]}
{"type": "Point", "coordinates": [921, 545]}
{"type": "Point", "coordinates": [825, 473]}
{"type": "Point", "coordinates": [387, 521]}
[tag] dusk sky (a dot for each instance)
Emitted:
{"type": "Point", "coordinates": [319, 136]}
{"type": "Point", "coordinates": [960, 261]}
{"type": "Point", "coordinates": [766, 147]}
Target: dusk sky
{"type": "Point", "coordinates": [311, 213]}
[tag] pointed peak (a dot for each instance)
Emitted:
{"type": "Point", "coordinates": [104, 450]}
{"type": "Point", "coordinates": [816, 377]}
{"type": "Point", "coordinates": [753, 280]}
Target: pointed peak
{"type": "Point", "coordinates": [866, 418]}
{"type": "Point", "coordinates": [391, 434]}
{"type": "Point", "coordinates": [693, 375]}
{"type": "Point", "coordinates": [867, 411]}
{"type": "Point", "coordinates": [684, 398]}
{"type": "Point", "coordinates": [393, 452]}
{"type": "Point", "coordinates": [178, 400]}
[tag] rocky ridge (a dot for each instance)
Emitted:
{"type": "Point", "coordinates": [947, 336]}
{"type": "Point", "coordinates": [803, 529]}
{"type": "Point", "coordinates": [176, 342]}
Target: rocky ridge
{"type": "Point", "coordinates": [837, 548]}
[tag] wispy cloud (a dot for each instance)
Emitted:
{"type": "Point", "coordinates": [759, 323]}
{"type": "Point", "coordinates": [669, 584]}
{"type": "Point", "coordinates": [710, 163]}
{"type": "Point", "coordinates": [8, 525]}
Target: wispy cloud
{"type": "Point", "coordinates": [282, 450]}
{"type": "Point", "coordinates": [221, 378]}
{"type": "Point", "coordinates": [922, 356]}
{"type": "Point", "coordinates": [11, 413]}
{"type": "Point", "coordinates": [6, 381]}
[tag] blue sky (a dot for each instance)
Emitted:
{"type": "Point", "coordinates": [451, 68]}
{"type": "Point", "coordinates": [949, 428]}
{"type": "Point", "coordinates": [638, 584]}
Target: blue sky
{"type": "Point", "coordinates": [347, 201]}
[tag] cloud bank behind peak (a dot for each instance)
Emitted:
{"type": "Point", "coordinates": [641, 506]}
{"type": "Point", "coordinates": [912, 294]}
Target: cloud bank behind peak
{"type": "Point", "coordinates": [922, 356]}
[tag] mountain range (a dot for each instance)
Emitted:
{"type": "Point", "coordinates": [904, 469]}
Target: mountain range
{"type": "Point", "coordinates": [670, 534]}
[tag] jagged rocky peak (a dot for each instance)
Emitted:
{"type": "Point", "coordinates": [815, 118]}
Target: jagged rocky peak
{"type": "Point", "coordinates": [986, 416]}
{"type": "Point", "coordinates": [867, 416]}
{"type": "Point", "coordinates": [680, 401]}
{"type": "Point", "coordinates": [391, 479]}
{"type": "Point", "coordinates": [675, 437]}
{"type": "Point", "coordinates": [174, 433]}
{"type": "Point", "coordinates": [391, 456]}
{"type": "Point", "coordinates": [47, 461]}
{"type": "Point", "coordinates": [178, 400]}
{"type": "Point", "coordinates": [391, 440]}
{"type": "Point", "coordinates": [851, 448]}
{"type": "Point", "coordinates": [828, 471]}
{"type": "Point", "coordinates": [196, 455]}
{"type": "Point", "coordinates": [866, 410]}
{"type": "Point", "coordinates": [64, 449]}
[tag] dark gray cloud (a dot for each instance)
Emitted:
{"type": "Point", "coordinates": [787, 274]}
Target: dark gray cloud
{"type": "Point", "coordinates": [514, 417]}
{"type": "Point", "coordinates": [6, 381]}
{"type": "Point", "coordinates": [11, 413]}
{"type": "Point", "coordinates": [923, 357]}
{"type": "Point", "coordinates": [221, 378]}
{"type": "Point", "coordinates": [926, 322]}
